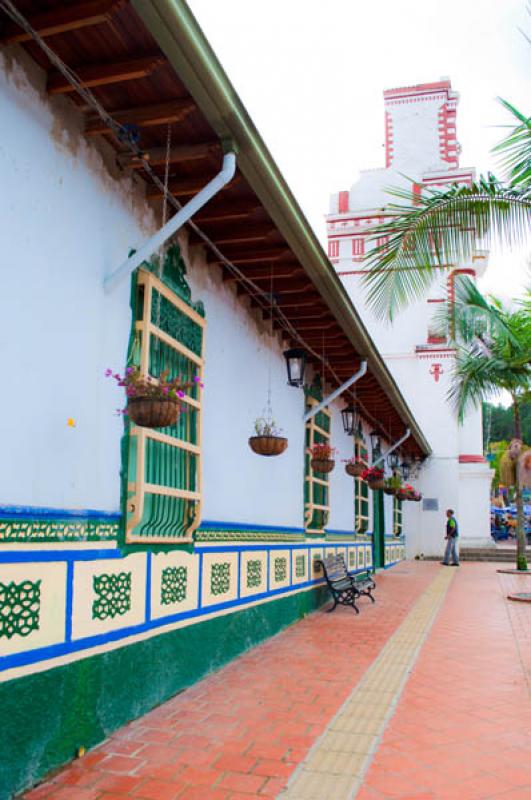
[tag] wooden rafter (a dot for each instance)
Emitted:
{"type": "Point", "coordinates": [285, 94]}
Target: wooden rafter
{"type": "Point", "coordinates": [178, 154]}
{"type": "Point", "coordinates": [143, 116]}
{"type": "Point", "coordinates": [62, 19]}
{"type": "Point", "coordinates": [187, 186]}
{"type": "Point", "coordinates": [103, 74]}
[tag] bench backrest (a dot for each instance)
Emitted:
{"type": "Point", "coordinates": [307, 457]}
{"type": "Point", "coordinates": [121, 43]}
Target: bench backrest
{"type": "Point", "coordinates": [335, 567]}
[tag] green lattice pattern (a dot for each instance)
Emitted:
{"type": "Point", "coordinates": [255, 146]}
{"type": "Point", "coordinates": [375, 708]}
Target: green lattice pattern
{"type": "Point", "coordinates": [352, 558]}
{"type": "Point", "coordinates": [300, 566]}
{"type": "Point", "coordinates": [281, 569]}
{"type": "Point", "coordinates": [20, 605]}
{"type": "Point", "coordinates": [173, 322]}
{"type": "Point", "coordinates": [113, 595]}
{"type": "Point", "coordinates": [173, 585]}
{"type": "Point", "coordinates": [254, 574]}
{"type": "Point", "coordinates": [220, 578]}
{"type": "Point", "coordinates": [57, 531]}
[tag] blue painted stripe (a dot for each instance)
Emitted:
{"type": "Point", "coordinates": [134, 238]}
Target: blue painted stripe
{"type": "Point", "coordinates": [31, 512]}
{"type": "Point", "coordinates": [69, 600]}
{"type": "Point", "coordinates": [149, 564]}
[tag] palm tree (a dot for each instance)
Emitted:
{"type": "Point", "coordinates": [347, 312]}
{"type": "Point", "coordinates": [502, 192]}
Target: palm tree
{"type": "Point", "coordinates": [427, 234]}
{"type": "Point", "coordinates": [493, 353]}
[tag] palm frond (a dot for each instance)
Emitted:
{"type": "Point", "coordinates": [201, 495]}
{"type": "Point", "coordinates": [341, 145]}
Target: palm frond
{"type": "Point", "coordinates": [515, 149]}
{"type": "Point", "coordinates": [436, 231]}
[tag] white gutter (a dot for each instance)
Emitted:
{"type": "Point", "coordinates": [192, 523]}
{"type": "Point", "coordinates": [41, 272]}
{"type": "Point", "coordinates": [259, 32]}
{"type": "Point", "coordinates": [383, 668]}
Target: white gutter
{"type": "Point", "coordinates": [393, 447]}
{"type": "Point", "coordinates": [315, 409]}
{"type": "Point", "coordinates": [177, 221]}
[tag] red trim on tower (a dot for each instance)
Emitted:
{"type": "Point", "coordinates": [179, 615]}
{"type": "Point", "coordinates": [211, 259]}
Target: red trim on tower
{"type": "Point", "coordinates": [343, 202]}
{"type": "Point", "coordinates": [469, 459]}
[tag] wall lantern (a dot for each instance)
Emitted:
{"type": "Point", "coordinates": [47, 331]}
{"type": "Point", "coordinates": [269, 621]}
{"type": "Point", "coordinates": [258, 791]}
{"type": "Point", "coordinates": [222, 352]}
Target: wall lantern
{"type": "Point", "coordinates": [375, 442]}
{"type": "Point", "coordinates": [296, 364]}
{"type": "Point", "coordinates": [350, 417]}
{"type": "Point", "coordinates": [393, 459]}
{"type": "Point", "coordinates": [405, 468]}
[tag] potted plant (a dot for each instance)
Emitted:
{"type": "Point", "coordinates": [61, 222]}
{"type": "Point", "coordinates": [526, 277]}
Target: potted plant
{"type": "Point", "coordinates": [267, 440]}
{"type": "Point", "coordinates": [322, 457]}
{"type": "Point", "coordinates": [374, 477]}
{"type": "Point", "coordinates": [354, 467]}
{"type": "Point", "coordinates": [416, 497]}
{"type": "Point", "coordinates": [153, 402]}
{"type": "Point", "coordinates": [405, 492]}
{"type": "Point", "coordinates": [392, 484]}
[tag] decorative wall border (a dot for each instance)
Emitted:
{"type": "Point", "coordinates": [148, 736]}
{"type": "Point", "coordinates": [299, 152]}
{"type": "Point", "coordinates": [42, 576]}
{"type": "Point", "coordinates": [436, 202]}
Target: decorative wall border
{"type": "Point", "coordinates": [29, 524]}
{"type": "Point", "coordinates": [79, 566]}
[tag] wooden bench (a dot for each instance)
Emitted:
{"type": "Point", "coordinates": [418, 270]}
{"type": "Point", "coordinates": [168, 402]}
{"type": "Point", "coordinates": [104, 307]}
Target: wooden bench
{"type": "Point", "coordinates": [345, 588]}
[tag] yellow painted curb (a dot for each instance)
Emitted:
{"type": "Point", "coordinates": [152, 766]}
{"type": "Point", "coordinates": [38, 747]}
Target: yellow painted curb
{"type": "Point", "coordinates": [336, 764]}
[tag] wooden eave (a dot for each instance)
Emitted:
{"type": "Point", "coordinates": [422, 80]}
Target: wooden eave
{"type": "Point", "coordinates": [149, 65]}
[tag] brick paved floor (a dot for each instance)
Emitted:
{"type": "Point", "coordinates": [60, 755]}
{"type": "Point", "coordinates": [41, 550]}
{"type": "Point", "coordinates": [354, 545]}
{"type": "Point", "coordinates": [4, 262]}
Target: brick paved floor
{"type": "Point", "coordinates": [461, 729]}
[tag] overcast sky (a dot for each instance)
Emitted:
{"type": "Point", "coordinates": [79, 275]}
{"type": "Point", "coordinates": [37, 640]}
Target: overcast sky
{"type": "Point", "coordinates": [311, 74]}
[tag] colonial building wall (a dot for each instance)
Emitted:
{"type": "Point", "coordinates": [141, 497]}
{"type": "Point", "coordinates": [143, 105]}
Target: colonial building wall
{"type": "Point", "coordinates": [92, 633]}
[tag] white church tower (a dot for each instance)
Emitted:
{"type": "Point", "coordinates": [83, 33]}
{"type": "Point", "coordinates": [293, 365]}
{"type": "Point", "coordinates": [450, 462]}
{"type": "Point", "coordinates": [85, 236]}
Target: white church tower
{"type": "Point", "coordinates": [420, 143]}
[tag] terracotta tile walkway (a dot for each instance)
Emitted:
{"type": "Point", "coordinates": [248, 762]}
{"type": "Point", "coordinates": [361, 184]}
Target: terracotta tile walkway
{"type": "Point", "coordinates": [461, 729]}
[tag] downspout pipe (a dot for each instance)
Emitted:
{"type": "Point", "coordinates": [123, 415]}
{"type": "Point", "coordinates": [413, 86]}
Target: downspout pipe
{"type": "Point", "coordinates": [177, 221]}
{"type": "Point", "coordinates": [393, 447]}
{"type": "Point", "coordinates": [344, 386]}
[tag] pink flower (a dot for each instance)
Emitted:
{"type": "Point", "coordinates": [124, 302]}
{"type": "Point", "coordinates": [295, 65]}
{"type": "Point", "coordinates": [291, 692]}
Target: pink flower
{"type": "Point", "coordinates": [180, 393]}
{"type": "Point", "coordinates": [165, 390]}
{"type": "Point", "coordinates": [197, 379]}
{"type": "Point", "coordinates": [108, 373]}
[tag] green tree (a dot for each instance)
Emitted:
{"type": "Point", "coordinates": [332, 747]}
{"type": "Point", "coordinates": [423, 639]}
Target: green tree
{"type": "Point", "coordinates": [498, 423]}
{"type": "Point", "coordinates": [493, 352]}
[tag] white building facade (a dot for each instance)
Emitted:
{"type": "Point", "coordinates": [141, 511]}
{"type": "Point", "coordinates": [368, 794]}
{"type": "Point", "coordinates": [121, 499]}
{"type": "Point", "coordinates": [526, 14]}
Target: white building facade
{"type": "Point", "coordinates": [421, 151]}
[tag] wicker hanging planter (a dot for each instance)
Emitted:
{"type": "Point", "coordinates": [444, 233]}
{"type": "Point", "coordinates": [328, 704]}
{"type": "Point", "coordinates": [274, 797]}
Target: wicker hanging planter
{"type": "Point", "coordinates": [354, 470]}
{"type": "Point", "coordinates": [268, 445]}
{"type": "Point", "coordinates": [323, 464]}
{"type": "Point", "coordinates": [375, 485]}
{"type": "Point", "coordinates": [153, 412]}
{"type": "Point", "coordinates": [389, 490]}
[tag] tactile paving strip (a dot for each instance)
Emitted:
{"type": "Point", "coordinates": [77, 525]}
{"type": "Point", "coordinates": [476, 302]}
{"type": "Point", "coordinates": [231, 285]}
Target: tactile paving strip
{"type": "Point", "coordinates": [336, 764]}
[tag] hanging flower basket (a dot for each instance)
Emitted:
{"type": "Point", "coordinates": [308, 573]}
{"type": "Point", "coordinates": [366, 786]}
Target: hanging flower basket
{"type": "Point", "coordinates": [323, 464]}
{"type": "Point", "coordinates": [153, 412]}
{"type": "Point", "coordinates": [374, 477]}
{"type": "Point", "coordinates": [268, 445]}
{"type": "Point", "coordinates": [153, 402]}
{"type": "Point", "coordinates": [390, 490]}
{"type": "Point", "coordinates": [322, 460]}
{"type": "Point", "coordinates": [355, 468]}
{"type": "Point", "coordinates": [267, 440]}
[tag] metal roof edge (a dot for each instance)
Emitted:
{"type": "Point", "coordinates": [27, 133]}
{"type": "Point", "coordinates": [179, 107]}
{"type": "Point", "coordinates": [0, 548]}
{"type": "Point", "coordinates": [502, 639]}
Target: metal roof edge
{"type": "Point", "coordinates": [179, 35]}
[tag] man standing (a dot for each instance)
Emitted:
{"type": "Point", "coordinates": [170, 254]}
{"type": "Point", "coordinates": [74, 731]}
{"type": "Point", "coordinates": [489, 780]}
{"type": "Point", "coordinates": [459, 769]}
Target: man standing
{"type": "Point", "coordinates": [451, 559]}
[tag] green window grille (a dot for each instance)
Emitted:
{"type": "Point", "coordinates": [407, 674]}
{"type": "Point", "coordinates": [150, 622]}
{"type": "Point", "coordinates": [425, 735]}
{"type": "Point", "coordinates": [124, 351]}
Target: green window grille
{"type": "Point", "coordinates": [316, 484]}
{"type": "Point", "coordinates": [397, 517]}
{"type": "Point", "coordinates": [361, 493]}
{"type": "Point", "coordinates": [164, 465]}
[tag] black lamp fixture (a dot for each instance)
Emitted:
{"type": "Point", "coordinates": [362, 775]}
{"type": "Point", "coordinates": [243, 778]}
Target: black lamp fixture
{"type": "Point", "coordinates": [393, 459]}
{"type": "Point", "coordinates": [405, 467]}
{"type": "Point", "coordinates": [351, 419]}
{"type": "Point", "coordinates": [375, 441]}
{"type": "Point", "coordinates": [296, 364]}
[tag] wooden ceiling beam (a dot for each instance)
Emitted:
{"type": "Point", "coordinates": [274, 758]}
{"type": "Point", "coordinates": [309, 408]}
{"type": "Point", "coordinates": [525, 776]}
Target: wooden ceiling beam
{"type": "Point", "coordinates": [94, 75]}
{"type": "Point", "coordinates": [187, 186]}
{"type": "Point", "coordinates": [235, 209]}
{"type": "Point", "coordinates": [62, 19]}
{"type": "Point", "coordinates": [247, 233]}
{"type": "Point", "coordinates": [256, 256]}
{"type": "Point", "coordinates": [143, 116]}
{"type": "Point", "coordinates": [178, 154]}
{"type": "Point", "coordinates": [263, 274]}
